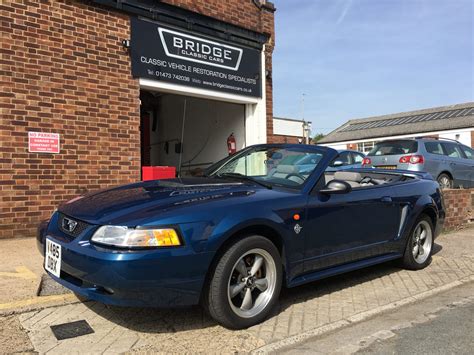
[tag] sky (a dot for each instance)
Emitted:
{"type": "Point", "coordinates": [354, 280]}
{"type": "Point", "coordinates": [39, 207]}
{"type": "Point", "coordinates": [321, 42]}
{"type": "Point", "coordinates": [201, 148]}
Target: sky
{"type": "Point", "coordinates": [361, 58]}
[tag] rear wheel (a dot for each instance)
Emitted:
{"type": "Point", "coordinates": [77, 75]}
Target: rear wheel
{"type": "Point", "coordinates": [420, 245]}
{"type": "Point", "coordinates": [445, 181]}
{"type": "Point", "coordinates": [246, 283]}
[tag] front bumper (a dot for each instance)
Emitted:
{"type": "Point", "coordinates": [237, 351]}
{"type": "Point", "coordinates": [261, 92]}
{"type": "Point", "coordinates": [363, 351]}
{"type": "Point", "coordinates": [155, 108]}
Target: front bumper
{"type": "Point", "coordinates": [167, 277]}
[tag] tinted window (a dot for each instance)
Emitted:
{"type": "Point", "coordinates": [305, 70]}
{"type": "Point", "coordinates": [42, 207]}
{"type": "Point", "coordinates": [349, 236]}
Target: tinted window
{"type": "Point", "coordinates": [434, 148]}
{"type": "Point", "coordinates": [452, 150]}
{"type": "Point", "coordinates": [468, 152]}
{"type": "Point", "coordinates": [394, 148]}
{"type": "Point", "coordinates": [357, 158]}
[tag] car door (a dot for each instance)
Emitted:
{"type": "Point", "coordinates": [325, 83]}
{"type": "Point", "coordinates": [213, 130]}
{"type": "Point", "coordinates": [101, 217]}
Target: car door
{"type": "Point", "coordinates": [469, 157]}
{"type": "Point", "coordinates": [435, 159]}
{"type": "Point", "coordinates": [342, 228]}
{"type": "Point", "coordinates": [460, 168]}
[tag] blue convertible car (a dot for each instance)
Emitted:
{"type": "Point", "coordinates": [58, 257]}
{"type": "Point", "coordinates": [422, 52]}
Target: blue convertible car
{"type": "Point", "coordinates": [231, 238]}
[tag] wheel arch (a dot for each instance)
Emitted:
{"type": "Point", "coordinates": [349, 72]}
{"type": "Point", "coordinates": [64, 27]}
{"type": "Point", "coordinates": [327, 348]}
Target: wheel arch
{"type": "Point", "coordinates": [446, 172]}
{"type": "Point", "coordinates": [255, 229]}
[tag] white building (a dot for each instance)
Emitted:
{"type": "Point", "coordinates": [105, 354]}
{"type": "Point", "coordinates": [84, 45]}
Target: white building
{"type": "Point", "coordinates": [453, 122]}
{"type": "Point", "coordinates": [290, 130]}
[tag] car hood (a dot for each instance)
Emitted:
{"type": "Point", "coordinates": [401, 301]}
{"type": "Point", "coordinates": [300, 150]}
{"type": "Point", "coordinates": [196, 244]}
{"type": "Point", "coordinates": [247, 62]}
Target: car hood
{"type": "Point", "coordinates": [144, 200]}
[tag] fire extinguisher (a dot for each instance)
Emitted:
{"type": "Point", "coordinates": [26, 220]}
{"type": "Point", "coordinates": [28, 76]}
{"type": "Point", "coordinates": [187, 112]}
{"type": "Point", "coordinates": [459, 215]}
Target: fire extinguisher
{"type": "Point", "coordinates": [231, 144]}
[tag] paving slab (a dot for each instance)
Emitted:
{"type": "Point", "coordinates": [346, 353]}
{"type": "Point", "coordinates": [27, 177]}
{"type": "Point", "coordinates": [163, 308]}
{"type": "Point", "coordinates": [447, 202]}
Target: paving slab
{"type": "Point", "coordinates": [301, 312]}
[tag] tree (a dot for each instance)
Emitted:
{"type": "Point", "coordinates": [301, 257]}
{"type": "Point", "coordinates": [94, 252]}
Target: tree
{"type": "Point", "coordinates": [317, 138]}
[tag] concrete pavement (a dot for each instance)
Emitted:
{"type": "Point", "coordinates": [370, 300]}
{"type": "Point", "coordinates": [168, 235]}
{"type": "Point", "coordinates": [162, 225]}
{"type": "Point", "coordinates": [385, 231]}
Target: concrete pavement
{"type": "Point", "coordinates": [302, 313]}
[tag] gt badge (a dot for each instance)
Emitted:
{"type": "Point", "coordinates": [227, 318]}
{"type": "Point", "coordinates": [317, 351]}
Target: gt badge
{"type": "Point", "coordinates": [297, 228]}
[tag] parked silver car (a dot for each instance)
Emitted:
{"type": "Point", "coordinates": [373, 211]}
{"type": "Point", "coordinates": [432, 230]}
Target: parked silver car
{"type": "Point", "coordinates": [449, 162]}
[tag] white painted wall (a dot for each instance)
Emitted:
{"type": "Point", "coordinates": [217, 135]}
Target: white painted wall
{"type": "Point", "coordinates": [287, 127]}
{"type": "Point", "coordinates": [207, 125]}
{"type": "Point", "coordinates": [464, 137]}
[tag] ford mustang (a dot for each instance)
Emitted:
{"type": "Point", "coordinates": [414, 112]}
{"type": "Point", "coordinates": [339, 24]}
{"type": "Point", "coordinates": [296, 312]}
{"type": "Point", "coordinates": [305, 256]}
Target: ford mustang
{"type": "Point", "coordinates": [232, 238]}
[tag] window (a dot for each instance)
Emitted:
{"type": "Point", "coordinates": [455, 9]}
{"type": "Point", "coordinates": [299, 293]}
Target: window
{"type": "Point", "coordinates": [397, 147]}
{"type": "Point", "coordinates": [452, 150]}
{"type": "Point", "coordinates": [468, 152]}
{"type": "Point", "coordinates": [434, 148]}
{"type": "Point", "coordinates": [344, 158]}
{"type": "Point", "coordinates": [270, 165]}
{"type": "Point", "coordinates": [365, 146]}
{"type": "Point", "coordinates": [357, 158]}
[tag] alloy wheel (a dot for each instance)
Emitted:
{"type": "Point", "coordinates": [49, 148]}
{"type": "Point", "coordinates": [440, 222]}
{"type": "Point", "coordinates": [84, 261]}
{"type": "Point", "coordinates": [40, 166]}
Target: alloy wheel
{"type": "Point", "coordinates": [444, 182]}
{"type": "Point", "coordinates": [252, 283]}
{"type": "Point", "coordinates": [422, 242]}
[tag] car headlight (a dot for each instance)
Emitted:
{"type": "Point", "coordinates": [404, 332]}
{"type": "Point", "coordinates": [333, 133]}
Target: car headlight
{"type": "Point", "coordinates": [136, 238]}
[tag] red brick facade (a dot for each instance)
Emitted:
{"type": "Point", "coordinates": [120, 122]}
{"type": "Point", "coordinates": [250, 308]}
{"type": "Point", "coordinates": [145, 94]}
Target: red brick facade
{"type": "Point", "coordinates": [459, 205]}
{"type": "Point", "coordinates": [64, 71]}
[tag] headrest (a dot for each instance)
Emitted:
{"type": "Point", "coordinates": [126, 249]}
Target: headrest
{"type": "Point", "coordinates": [347, 175]}
{"type": "Point", "coordinates": [287, 169]}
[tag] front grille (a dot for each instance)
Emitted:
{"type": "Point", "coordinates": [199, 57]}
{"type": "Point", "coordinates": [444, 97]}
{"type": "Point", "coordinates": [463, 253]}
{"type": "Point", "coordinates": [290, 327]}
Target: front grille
{"type": "Point", "coordinates": [80, 227]}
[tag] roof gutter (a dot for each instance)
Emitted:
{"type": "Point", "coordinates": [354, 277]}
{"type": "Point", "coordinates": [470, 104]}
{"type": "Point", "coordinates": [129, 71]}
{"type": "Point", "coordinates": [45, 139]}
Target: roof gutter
{"type": "Point", "coordinates": [173, 15]}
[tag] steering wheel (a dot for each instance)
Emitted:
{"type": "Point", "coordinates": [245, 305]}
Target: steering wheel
{"type": "Point", "coordinates": [369, 180]}
{"type": "Point", "coordinates": [299, 176]}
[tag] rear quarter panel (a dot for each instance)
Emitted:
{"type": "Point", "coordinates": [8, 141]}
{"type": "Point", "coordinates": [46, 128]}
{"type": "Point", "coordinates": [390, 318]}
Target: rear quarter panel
{"type": "Point", "coordinates": [418, 196]}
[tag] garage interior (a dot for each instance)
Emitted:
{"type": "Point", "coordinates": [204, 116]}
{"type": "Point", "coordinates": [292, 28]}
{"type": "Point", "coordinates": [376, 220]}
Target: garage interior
{"type": "Point", "coordinates": [188, 133]}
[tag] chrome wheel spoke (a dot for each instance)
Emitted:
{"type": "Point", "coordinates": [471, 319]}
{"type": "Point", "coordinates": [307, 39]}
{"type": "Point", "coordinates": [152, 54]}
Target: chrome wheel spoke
{"type": "Point", "coordinates": [257, 264]}
{"type": "Point", "coordinates": [261, 284]}
{"type": "Point", "coordinates": [421, 251]}
{"type": "Point", "coordinates": [416, 250]}
{"type": "Point", "coordinates": [423, 235]}
{"type": "Point", "coordinates": [422, 242]}
{"type": "Point", "coordinates": [241, 268]}
{"type": "Point", "coordinates": [251, 287]}
{"type": "Point", "coordinates": [247, 302]}
{"type": "Point", "coordinates": [235, 289]}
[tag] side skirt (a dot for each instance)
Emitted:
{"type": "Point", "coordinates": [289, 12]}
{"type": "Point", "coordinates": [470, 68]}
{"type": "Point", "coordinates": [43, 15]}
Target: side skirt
{"type": "Point", "coordinates": [341, 269]}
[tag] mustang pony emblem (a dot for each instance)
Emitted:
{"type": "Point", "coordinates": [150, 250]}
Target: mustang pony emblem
{"type": "Point", "coordinates": [69, 224]}
{"type": "Point", "coordinates": [297, 228]}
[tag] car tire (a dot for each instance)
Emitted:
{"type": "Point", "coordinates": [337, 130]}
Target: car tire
{"type": "Point", "coordinates": [419, 247]}
{"type": "Point", "coordinates": [239, 301]}
{"type": "Point", "coordinates": [445, 181]}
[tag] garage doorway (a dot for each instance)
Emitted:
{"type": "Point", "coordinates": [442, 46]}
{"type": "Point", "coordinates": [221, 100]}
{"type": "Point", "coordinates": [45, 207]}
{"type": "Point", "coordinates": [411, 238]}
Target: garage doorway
{"type": "Point", "coordinates": [186, 132]}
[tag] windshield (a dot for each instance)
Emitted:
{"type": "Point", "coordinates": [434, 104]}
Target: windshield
{"type": "Point", "coordinates": [394, 148]}
{"type": "Point", "coordinates": [279, 166]}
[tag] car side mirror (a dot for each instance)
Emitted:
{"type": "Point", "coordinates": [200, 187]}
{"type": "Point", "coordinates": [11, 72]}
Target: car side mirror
{"type": "Point", "coordinates": [336, 187]}
{"type": "Point", "coordinates": [337, 163]}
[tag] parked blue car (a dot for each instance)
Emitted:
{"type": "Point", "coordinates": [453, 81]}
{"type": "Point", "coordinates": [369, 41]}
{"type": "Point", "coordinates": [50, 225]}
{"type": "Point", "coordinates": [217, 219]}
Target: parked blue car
{"type": "Point", "coordinates": [231, 239]}
{"type": "Point", "coordinates": [346, 159]}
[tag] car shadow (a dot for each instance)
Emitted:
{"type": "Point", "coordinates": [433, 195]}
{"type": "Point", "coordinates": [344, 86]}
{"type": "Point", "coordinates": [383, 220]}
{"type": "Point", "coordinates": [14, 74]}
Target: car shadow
{"type": "Point", "coordinates": [437, 248]}
{"type": "Point", "coordinates": [153, 320]}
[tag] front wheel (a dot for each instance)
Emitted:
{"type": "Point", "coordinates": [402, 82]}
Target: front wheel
{"type": "Point", "coordinates": [420, 245]}
{"type": "Point", "coordinates": [246, 283]}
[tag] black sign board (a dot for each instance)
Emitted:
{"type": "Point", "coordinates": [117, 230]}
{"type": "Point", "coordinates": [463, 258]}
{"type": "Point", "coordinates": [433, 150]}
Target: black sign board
{"type": "Point", "coordinates": [181, 57]}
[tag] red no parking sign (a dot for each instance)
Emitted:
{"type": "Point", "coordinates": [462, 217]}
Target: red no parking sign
{"type": "Point", "coordinates": [39, 142]}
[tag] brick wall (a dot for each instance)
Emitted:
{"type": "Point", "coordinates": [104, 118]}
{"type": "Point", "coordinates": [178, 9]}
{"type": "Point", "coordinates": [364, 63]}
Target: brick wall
{"type": "Point", "coordinates": [286, 139]}
{"type": "Point", "coordinates": [64, 71]}
{"type": "Point", "coordinates": [459, 204]}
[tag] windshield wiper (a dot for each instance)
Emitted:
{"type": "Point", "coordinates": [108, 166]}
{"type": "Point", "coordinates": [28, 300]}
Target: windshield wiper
{"type": "Point", "coordinates": [245, 177]}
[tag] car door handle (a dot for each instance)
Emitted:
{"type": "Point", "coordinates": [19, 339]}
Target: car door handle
{"type": "Point", "coordinates": [386, 199]}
